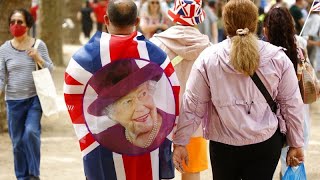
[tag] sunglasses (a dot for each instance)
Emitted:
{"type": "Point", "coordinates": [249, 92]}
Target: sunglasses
{"type": "Point", "coordinates": [12, 22]}
{"type": "Point", "coordinates": [154, 2]}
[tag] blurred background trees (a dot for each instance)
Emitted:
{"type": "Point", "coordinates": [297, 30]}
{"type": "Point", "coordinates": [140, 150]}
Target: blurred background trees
{"type": "Point", "coordinates": [50, 31]}
{"type": "Point", "coordinates": [70, 9]}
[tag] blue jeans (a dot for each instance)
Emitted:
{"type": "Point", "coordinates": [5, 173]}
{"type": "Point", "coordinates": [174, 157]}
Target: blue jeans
{"type": "Point", "coordinates": [24, 130]}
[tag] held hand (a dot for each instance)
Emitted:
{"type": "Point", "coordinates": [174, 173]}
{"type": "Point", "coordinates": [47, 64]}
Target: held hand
{"type": "Point", "coordinates": [295, 156]}
{"type": "Point", "coordinates": [33, 53]}
{"type": "Point", "coordinates": [180, 154]}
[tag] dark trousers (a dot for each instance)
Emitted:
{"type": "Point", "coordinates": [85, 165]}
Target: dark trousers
{"type": "Point", "coordinates": [249, 162]}
{"type": "Point", "coordinates": [99, 26]}
{"type": "Point", "coordinates": [86, 29]}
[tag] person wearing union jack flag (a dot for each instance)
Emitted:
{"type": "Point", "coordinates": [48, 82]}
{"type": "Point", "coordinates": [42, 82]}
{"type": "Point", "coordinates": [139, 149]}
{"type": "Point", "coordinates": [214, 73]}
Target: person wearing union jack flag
{"type": "Point", "coordinates": [122, 95]}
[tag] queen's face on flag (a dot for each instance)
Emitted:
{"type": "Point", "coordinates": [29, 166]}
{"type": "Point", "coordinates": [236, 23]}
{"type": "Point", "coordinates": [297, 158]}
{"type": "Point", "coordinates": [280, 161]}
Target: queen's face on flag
{"type": "Point", "coordinates": [130, 106]}
{"type": "Point", "coordinates": [137, 113]}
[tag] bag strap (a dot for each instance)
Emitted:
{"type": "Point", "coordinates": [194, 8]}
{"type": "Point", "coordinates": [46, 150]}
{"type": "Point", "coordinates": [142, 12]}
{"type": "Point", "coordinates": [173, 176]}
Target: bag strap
{"type": "Point", "coordinates": [301, 55]}
{"type": "Point", "coordinates": [176, 60]}
{"type": "Point", "coordinates": [36, 45]}
{"type": "Point", "coordinates": [264, 91]}
{"type": "Point", "coordinates": [301, 63]}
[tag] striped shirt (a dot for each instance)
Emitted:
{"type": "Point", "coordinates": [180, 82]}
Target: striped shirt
{"type": "Point", "coordinates": [16, 71]}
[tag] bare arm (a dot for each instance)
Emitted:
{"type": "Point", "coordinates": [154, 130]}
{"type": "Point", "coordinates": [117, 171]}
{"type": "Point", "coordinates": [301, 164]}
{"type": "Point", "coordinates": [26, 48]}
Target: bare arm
{"type": "Point", "coordinates": [150, 28]}
{"type": "Point", "coordinates": [301, 22]}
{"type": "Point", "coordinates": [33, 53]}
{"type": "Point", "coordinates": [41, 56]}
{"type": "Point", "coordinates": [79, 16]}
{"type": "Point", "coordinates": [314, 43]}
{"type": "Point", "coordinates": [93, 17]}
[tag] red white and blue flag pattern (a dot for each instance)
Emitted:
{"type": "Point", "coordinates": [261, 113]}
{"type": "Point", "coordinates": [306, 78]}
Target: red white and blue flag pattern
{"type": "Point", "coordinates": [187, 12]}
{"type": "Point", "coordinates": [100, 163]}
{"type": "Point", "coordinates": [316, 6]}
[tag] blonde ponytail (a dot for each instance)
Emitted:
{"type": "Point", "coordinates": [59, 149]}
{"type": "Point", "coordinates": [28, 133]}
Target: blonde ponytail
{"type": "Point", "coordinates": [244, 53]}
{"type": "Point", "coordinates": [240, 21]}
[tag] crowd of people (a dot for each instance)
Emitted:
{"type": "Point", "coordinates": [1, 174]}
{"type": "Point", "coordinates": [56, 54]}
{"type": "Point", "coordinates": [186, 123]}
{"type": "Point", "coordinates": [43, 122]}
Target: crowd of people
{"type": "Point", "coordinates": [162, 75]}
{"type": "Point", "coordinates": [154, 17]}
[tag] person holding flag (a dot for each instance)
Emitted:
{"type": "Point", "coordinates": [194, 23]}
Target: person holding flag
{"type": "Point", "coordinates": [98, 76]}
{"type": "Point", "coordinates": [296, 12]}
{"type": "Point", "coordinates": [311, 30]}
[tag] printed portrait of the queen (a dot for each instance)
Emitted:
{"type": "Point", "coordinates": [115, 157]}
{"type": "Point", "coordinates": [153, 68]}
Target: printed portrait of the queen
{"type": "Point", "coordinates": [125, 95]}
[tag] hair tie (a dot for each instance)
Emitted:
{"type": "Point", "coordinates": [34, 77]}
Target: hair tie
{"type": "Point", "coordinates": [242, 32]}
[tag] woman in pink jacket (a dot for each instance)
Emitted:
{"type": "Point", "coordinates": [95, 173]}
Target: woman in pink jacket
{"type": "Point", "coordinates": [245, 135]}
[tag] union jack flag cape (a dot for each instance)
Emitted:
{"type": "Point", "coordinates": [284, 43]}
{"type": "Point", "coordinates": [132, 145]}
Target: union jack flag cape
{"type": "Point", "coordinates": [99, 162]}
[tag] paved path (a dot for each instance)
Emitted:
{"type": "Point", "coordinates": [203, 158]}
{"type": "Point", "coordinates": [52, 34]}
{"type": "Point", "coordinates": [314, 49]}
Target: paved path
{"type": "Point", "coordinates": [61, 158]}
